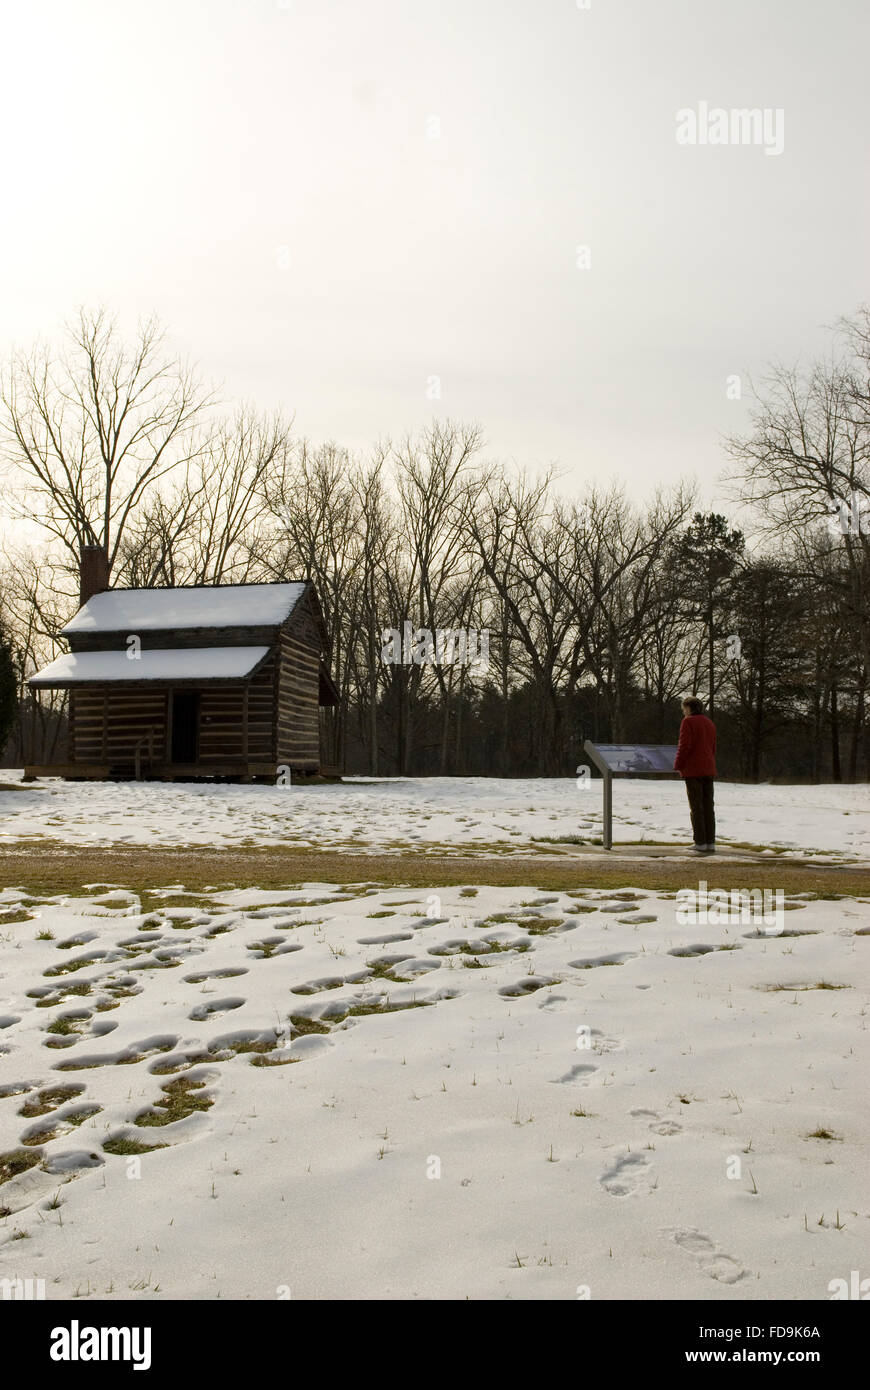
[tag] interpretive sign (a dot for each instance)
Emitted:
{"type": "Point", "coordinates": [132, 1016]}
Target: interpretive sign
{"type": "Point", "coordinates": [635, 759]}
{"type": "Point", "coordinates": [627, 760]}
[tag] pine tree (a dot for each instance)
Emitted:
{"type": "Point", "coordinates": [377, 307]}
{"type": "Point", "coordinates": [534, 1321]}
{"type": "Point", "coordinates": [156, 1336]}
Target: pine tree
{"type": "Point", "coordinates": [8, 692]}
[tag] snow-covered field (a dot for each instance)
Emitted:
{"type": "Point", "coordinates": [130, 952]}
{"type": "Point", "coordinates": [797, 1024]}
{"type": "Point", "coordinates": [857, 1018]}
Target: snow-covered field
{"type": "Point", "coordinates": [592, 1098]}
{"type": "Point", "coordinates": [484, 1092]}
{"type": "Point", "coordinates": [474, 814]}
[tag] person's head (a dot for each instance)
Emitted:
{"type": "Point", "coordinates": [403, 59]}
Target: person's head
{"type": "Point", "coordinates": [692, 705]}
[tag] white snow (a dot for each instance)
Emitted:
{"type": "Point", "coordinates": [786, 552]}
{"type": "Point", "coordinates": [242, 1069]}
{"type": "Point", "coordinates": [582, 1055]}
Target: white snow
{"type": "Point", "coordinates": [585, 1094]}
{"type": "Point", "coordinates": [159, 664]}
{"type": "Point", "coordinates": [473, 814]}
{"type": "Point", "coordinates": [585, 1111]}
{"type": "Point", "coordinates": [223, 605]}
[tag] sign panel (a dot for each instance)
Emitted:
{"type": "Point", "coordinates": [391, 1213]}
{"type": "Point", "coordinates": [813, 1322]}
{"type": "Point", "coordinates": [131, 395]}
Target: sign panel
{"type": "Point", "coordinates": [635, 759]}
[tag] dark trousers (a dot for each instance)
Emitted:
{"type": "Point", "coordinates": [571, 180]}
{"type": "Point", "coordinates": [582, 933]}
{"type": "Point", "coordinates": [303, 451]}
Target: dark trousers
{"type": "Point", "coordinates": [700, 793]}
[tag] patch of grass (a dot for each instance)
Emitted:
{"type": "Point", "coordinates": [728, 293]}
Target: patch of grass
{"type": "Point", "coordinates": [380, 971]}
{"type": "Point", "coordinates": [191, 1059]}
{"type": "Point", "coordinates": [513, 919]}
{"type": "Point", "coordinates": [127, 1147]}
{"type": "Point", "coordinates": [821, 1133]}
{"type": "Point", "coordinates": [119, 989]}
{"type": "Point", "coordinates": [178, 1102]}
{"type": "Point", "coordinates": [13, 915]}
{"type": "Point", "coordinates": [385, 913]}
{"type": "Point", "coordinates": [195, 901]}
{"type": "Point", "coordinates": [43, 1136]}
{"type": "Point", "coordinates": [558, 840]}
{"type": "Point", "coordinates": [308, 902]}
{"type": "Point", "coordinates": [57, 996]}
{"type": "Point", "coordinates": [266, 949]}
{"type": "Point", "coordinates": [72, 1023]}
{"type": "Point", "coordinates": [307, 1025]}
{"type": "Point", "coordinates": [56, 871]}
{"type": "Point", "coordinates": [16, 914]}
{"type": "Point", "coordinates": [87, 1112]}
{"type": "Point", "coordinates": [539, 926]}
{"type": "Point", "coordinates": [70, 966]}
{"type": "Point", "coordinates": [49, 1099]}
{"type": "Point", "coordinates": [755, 848]}
{"type": "Point", "coordinates": [248, 1045]}
{"type": "Point", "coordinates": [16, 1161]}
{"type": "Point", "coordinates": [798, 989]}
{"type": "Point", "coordinates": [382, 1006]}
{"type": "Point", "coordinates": [487, 947]}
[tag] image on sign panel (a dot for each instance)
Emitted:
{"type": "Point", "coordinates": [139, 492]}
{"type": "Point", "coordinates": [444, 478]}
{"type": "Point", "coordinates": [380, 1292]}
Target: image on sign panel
{"type": "Point", "coordinates": [637, 758]}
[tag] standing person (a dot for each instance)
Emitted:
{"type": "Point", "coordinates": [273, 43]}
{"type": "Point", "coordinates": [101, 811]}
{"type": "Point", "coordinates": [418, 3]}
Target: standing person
{"type": "Point", "coordinates": [696, 764]}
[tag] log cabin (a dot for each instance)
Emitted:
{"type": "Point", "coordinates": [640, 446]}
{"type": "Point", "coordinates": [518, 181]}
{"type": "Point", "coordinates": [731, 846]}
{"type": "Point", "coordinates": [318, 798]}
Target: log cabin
{"type": "Point", "coordinates": [222, 681]}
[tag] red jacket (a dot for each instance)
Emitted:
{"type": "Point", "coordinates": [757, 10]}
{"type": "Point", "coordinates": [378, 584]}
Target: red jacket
{"type": "Point", "coordinates": [696, 751]}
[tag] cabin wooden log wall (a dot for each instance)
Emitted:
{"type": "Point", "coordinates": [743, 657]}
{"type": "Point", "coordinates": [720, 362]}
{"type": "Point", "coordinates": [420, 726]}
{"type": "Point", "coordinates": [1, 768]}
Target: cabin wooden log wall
{"type": "Point", "coordinates": [107, 725]}
{"type": "Point", "coordinates": [297, 721]}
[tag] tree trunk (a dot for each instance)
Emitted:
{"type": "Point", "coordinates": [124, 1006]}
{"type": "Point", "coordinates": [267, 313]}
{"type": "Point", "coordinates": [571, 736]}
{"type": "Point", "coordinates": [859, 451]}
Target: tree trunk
{"type": "Point", "coordinates": [857, 728]}
{"type": "Point", "coordinates": [458, 752]}
{"type": "Point", "coordinates": [836, 774]}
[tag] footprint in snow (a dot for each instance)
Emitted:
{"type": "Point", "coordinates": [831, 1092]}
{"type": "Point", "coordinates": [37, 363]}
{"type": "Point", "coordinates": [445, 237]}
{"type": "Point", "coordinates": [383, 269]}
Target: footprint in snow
{"type": "Point", "coordinates": [203, 975]}
{"type": "Point", "coordinates": [385, 939]}
{"type": "Point", "coordinates": [551, 1001]}
{"type": "Point", "coordinates": [215, 1007]}
{"type": "Point", "coordinates": [713, 1263]}
{"type": "Point", "coordinates": [592, 962]}
{"type": "Point", "coordinates": [699, 948]}
{"type": "Point", "coordinates": [576, 1073]}
{"type": "Point", "coordinates": [625, 1176]}
{"type": "Point", "coordinates": [528, 985]}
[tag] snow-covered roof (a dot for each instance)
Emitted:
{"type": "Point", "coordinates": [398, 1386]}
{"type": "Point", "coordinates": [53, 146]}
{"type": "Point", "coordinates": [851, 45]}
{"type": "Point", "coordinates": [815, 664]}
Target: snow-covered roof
{"type": "Point", "coordinates": [167, 664]}
{"type": "Point", "coordinates": [219, 605]}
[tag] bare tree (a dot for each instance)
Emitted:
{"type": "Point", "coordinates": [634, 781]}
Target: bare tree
{"type": "Point", "coordinates": [90, 431]}
{"type": "Point", "coordinates": [529, 556]}
{"type": "Point", "coordinates": [806, 458]}
{"type": "Point", "coordinates": [317, 509]}
{"type": "Point", "coordinates": [33, 613]}
{"type": "Point", "coordinates": [209, 523]}
{"type": "Point", "coordinates": [438, 588]}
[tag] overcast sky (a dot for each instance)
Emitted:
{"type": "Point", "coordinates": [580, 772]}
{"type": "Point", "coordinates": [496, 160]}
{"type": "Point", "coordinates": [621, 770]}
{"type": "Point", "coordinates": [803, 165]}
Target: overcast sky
{"type": "Point", "coordinates": [332, 202]}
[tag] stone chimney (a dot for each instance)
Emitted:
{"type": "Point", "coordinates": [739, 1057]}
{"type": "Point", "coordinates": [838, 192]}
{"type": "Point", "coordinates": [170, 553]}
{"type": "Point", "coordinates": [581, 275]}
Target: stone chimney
{"type": "Point", "coordinates": [93, 572]}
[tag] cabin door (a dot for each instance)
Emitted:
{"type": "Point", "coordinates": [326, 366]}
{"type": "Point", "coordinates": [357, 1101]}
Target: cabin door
{"type": "Point", "coordinates": [185, 725]}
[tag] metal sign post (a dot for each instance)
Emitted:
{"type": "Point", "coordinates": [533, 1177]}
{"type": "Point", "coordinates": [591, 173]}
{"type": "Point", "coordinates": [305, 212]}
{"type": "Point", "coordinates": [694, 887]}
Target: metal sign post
{"type": "Point", "coordinates": [627, 760]}
{"type": "Point", "coordinates": [607, 779]}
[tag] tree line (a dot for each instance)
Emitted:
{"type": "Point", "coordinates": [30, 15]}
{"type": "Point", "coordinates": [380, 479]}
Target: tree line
{"type": "Point", "coordinates": [600, 610]}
